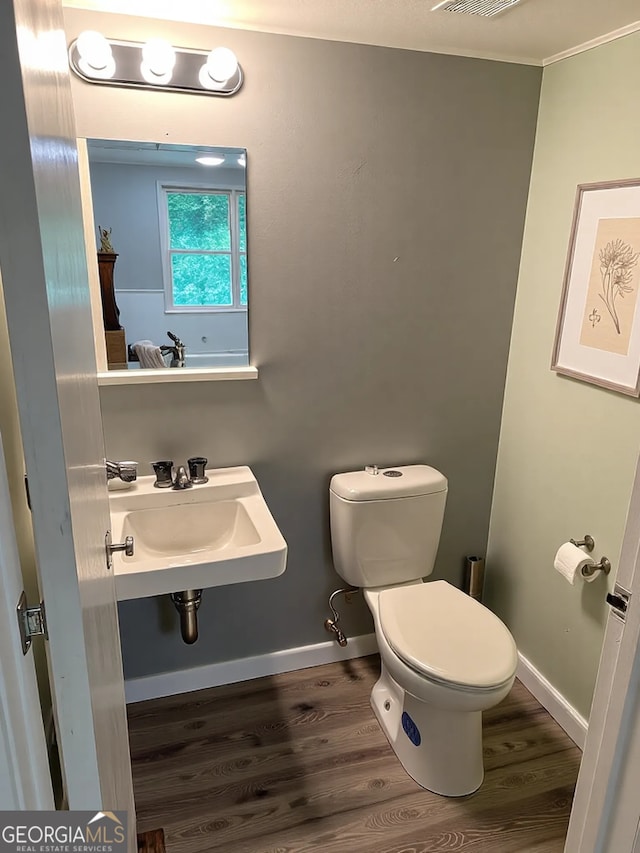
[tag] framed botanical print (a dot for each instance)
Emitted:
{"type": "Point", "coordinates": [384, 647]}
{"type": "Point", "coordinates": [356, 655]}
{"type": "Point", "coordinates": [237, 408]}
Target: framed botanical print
{"type": "Point", "coordinates": [598, 332]}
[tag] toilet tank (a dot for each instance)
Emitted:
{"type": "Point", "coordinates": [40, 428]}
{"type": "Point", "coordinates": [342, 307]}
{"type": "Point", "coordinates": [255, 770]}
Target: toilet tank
{"type": "Point", "coordinates": [386, 523]}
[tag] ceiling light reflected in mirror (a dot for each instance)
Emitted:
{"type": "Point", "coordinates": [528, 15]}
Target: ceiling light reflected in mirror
{"type": "Point", "coordinates": [211, 161]}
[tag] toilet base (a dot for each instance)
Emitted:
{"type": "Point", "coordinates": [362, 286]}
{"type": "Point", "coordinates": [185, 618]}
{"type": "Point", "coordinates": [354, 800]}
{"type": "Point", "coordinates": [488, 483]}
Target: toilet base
{"type": "Point", "coordinates": [439, 748]}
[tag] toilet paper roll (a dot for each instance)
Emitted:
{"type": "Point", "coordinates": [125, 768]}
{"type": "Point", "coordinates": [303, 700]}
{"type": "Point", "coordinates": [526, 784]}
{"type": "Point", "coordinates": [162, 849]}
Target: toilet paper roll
{"type": "Point", "coordinates": [570, 561]}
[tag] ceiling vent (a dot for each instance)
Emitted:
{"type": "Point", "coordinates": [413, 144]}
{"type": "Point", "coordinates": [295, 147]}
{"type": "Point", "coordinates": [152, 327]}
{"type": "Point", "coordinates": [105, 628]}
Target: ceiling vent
{"type": "Point", "coordinates": [486, 8]}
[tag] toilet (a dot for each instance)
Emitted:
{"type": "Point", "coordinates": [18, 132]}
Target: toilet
{"type": "Point", "coordinates": [445, 658]}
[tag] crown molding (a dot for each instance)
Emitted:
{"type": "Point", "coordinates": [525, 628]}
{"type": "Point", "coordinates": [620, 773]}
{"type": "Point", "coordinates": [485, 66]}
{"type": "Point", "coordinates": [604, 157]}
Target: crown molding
{"type": "Point", "coordinates": [590, 45]}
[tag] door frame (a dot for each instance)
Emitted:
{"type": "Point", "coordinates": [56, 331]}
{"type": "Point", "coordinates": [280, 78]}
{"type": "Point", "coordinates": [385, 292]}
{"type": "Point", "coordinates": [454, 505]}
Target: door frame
{"type": "Point", "coordinates": [46, 293]}
{"type": "Point", "coordinates": [606, 810]}
{"type": "Point", "coordinates": [25, 780]}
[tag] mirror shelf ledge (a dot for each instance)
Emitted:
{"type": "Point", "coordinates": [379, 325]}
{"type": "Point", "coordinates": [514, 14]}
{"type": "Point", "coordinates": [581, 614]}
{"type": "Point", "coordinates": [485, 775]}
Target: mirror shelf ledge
{"type": "Point", "coordinates": [185, 374]}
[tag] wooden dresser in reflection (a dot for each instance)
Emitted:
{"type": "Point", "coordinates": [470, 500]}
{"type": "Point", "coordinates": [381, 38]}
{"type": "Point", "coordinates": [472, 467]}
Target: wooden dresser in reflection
{"type": "Point", "coordinates": [113, 331]}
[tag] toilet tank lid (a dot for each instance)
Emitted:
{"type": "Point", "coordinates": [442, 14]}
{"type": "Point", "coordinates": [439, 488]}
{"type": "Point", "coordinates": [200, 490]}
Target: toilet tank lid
{"type": "Point", "coordinates": [401, 482]}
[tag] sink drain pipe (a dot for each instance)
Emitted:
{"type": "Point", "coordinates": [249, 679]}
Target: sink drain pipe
{"type": "Point", "coordinates": [187, 603]}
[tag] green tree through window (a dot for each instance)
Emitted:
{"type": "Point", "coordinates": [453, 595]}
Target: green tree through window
{"type": "Point", "coordinates": [207, 248]}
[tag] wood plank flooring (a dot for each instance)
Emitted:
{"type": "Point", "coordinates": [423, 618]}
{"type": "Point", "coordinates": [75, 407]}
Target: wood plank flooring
{"type": "Point", "coordinates": [296, 763]}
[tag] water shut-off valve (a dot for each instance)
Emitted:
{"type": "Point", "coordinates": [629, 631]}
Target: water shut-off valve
{"type": "Point", "coordinates": [331, 625]}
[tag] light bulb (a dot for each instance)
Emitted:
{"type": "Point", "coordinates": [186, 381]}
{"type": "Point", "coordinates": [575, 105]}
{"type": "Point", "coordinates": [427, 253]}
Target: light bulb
{"type": "Point", "coordinates": [242, 160]}
{"type": "Point", "coordinates": [96, 58]}
{"type": "Point", "coordinates": [159, 56]}
{"type": "Point", "coordinates": [220, 66]}
{"type": "Point", "coordinates": [94, 49]}
{"type": "Point", "coordinates": [158, 59]}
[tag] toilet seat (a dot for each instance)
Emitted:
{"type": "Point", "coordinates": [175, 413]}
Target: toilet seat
{"type": "Point", "coordinates": [446, 636]}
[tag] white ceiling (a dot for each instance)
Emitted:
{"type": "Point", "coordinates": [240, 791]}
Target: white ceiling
{"type": "Point", "coordinates": [535, 31]}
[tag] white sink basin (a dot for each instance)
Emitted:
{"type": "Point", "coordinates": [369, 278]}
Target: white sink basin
{"type": "Point", "coordinates": [216, 533]}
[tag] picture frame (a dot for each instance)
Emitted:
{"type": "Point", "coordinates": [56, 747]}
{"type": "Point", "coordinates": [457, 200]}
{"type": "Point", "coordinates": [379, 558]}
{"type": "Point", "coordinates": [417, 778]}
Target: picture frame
{"type": "Point", "coordinates": [597, 336]}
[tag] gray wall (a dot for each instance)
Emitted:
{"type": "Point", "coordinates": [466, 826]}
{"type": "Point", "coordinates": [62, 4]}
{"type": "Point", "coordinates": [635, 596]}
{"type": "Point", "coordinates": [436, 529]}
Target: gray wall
{"type": "Point", "coordinates": [125, 199]}
{"type": "Point", "coordinates": [387, 200]}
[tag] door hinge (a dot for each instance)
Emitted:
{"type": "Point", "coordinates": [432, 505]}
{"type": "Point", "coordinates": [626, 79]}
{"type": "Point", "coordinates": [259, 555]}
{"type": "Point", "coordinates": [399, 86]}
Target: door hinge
{"type": "Point", "coordinates": [32, 622]}
{"type": "Point", "coordinates": [619, 600]}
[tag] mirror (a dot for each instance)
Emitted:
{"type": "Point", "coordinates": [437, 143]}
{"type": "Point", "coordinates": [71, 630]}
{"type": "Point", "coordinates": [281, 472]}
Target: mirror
{"type": "Point", "coordinates": [170, 225]}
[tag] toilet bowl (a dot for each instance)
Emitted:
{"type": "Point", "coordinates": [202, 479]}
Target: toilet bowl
{"type": "Point", "coordinates": [430, 707]}
{"type": "Point", "coordinates": [445, 657]}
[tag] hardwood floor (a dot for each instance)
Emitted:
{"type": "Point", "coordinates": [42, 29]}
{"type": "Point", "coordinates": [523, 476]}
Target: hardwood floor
{"type": "Point", "coordinates": [297, 763]}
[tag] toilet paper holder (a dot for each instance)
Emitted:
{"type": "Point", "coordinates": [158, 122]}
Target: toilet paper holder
{"type": "Point", "coordinates": [588, 542]}
{"type": "Point", "coordinates": [604, 565]}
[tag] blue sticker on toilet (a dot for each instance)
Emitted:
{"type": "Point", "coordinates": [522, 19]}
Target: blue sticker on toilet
{"type": "Point", "coordinates": [410, 729]}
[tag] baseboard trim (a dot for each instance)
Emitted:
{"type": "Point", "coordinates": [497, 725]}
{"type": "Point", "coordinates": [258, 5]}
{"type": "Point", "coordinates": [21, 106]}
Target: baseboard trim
{"type": "Point", "coordinates": [243, 669]}
{"type": "Point", "coordinates": [562, 712]}
{"type": "Point", "coordinates": [302, 657]}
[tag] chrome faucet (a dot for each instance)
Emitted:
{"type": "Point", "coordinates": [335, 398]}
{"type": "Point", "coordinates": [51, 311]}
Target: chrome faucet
{"type": "Point", "coordinates": [177, 351]}
{"type": "Point", "coordinates": [125, 471]}
{"type": "Point", "coordinates": [182, 480]}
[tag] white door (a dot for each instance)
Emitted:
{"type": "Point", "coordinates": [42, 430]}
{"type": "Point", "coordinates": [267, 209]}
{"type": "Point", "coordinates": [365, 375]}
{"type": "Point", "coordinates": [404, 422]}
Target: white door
{"type": "Point", "coordinates": [25, 782]}
{"type": "Point", "coordinates": [44, 274]}
{"type": "Point", "coordinates": [606, 806]}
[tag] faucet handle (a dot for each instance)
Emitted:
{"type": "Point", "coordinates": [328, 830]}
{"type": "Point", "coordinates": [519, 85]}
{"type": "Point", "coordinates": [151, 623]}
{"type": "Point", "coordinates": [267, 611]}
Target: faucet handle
{"type": "Point", "coordinates": [163, 471]}
{"type": "Point", "coordinates": [125, 471]}
{"type": "Point", "coordinates": [128, 471]}
{"type": "Point", "coordinates": [197, 464]}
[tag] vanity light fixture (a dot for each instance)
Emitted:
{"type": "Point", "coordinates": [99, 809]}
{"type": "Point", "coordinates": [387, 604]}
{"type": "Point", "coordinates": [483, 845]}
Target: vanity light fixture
{"type": "Point", "coordinates": [242, 160]}
{"type": "Point", "coordinates": [155, 64]}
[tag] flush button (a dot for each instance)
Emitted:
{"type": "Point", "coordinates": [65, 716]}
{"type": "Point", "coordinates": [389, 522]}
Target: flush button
{"type": "Point", "coordinates": [371, 469]}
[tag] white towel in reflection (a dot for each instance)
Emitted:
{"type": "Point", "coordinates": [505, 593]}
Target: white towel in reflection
{"type": "Point", "coordinates": [149, 355]}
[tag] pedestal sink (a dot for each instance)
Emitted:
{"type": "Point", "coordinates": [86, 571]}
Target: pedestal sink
{"type": "Point", "coordinates": [212, 534]}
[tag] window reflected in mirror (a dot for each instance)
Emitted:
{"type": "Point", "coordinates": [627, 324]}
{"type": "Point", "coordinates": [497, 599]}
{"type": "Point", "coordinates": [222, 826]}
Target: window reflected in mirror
{"type": "Point", "coordinates": [173, 269]}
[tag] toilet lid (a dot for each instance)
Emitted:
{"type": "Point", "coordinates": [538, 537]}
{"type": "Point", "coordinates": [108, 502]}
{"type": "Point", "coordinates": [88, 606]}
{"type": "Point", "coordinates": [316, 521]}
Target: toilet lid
{"type": "Point", "coordinates": [446, 635]}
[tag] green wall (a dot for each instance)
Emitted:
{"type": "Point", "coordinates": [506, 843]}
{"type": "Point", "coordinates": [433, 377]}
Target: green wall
{"type": "Point", "coordinates": [567, 450]}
